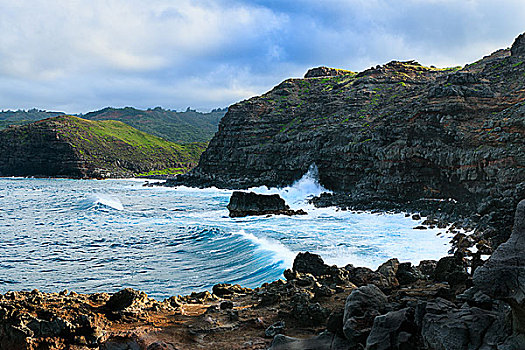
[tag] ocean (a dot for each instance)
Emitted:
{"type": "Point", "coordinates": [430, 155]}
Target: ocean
{"type": "Point", "coordinates": [104, 235]}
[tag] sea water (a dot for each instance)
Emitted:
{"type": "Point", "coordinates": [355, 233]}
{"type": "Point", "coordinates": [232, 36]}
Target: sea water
{"type": "Point", "coordinates": [105, 235]}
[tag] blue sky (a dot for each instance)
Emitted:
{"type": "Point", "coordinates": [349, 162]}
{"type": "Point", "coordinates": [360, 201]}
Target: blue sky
{"type": "Point", "coordinates": [81, 55]}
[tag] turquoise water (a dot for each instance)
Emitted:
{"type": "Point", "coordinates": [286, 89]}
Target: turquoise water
{"type": "Point", "coordinates": [94, 236]}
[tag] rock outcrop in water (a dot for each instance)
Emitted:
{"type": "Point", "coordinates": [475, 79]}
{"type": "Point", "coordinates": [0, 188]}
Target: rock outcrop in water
{"type": "Point", "coordinates": [68, 146]}
{"type": "Point", "coordinates": [250, 203]}
{"type": "Point", "coordinates": [399, 135]}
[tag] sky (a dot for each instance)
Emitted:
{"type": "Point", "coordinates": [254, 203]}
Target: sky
{"type": "Point", "coordinates": [82, 55]}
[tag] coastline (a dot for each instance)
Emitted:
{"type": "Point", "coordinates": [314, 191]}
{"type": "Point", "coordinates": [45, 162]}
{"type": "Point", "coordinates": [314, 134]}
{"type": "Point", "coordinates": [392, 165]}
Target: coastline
{"type": "Point", "coordinates": [317, 307]}
{"type": "Point", "coordinates": [308, 307]}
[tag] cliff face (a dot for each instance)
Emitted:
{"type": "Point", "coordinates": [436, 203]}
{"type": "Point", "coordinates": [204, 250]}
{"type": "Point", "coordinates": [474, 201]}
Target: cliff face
{"type": "Point", "coordinates": [73, 147]}
{"type": "Point", "coordinates": [397, 132]}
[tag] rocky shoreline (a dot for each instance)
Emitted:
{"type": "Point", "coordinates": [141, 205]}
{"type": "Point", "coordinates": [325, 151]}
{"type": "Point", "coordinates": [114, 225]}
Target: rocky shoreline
{"type": "Point", "coordinates": [399, 136]}
{"type": "Point", "coordinates": [435, 305]}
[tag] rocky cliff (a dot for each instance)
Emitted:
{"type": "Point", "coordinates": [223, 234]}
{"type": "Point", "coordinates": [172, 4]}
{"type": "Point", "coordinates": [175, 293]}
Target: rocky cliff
{"type": "Point", "coordinates": [396, 133]}
{"type": "Point", "coordinates": [73, 147]}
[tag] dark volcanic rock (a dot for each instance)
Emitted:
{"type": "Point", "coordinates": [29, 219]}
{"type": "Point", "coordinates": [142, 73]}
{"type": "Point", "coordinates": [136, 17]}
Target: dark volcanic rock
{"type": "Point", "coordinates": [395, 330]}
{"type": "Point", "coordinates": [126, 298]}
{"type": "Point", "coordinates": [309, 263]}
{"type": "Point", "coordinates": [450, 269]}
{"type": "Point", "coordinates": [406, 273]}
{"type": "Point", "coordinates": [361, 307]}
{"type": "Point", "coordinates": [399, 135]}
{"type": "Point", "coordinates": [518, 47]}
{"type": "Point", "coordinates": [325, 72]}
{"type": "Point", "coordinates": [227, 290]}
{"type": "Point", "coordinates": [324, 341]}
{"type": "Point", "coordinates": [445, 327]}
{"type": "Point", "coordinates": [503, 275]}
{"type": "Point", "coordinates": [249, 203]}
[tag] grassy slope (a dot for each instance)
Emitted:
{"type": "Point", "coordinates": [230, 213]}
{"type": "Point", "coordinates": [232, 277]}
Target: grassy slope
{"type": "Point", "coordinates": [104, 143]}
{"type": "Point", "coordinates": [189, 126]}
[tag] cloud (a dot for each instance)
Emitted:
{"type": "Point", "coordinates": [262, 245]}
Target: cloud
{"type": "Point", "coordinates": [82, 55]}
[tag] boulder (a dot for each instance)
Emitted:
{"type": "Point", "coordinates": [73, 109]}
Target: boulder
{"type": "Point", "coordinates": [306, 312]}
{"type": "Point", "coordinates": [406, 273]}
{"type": "Point", "coordinates": [249, 203]}
{"type": "Point", "coordinates": [395, 330]}
{"type": "Point", "coordinates": [503, 274]}
{"type": "Point", "coordinates": [427, 267]}
{"type": "Point", "coordinates": [226, 290]}
{"type": "Point", "coordinates": [445, 327]}
{"type": "Point", "coordinates": [309, 263]}
{"type": "Point", "coordinates": [126, 298]}
{"type": "Point", "coordinates": [450, 269]}
{"type": "Point", "coordinates": [274, 329]}
{"type": "Point", "coordinates": [389, 270]}
{"type": "Point", "coordinates": [361, 307]}
{"type": "Point", "coordinates": [362, 276]}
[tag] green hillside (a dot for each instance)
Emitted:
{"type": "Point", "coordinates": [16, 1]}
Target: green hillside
{"type": "Point", "coordinates": [188, 126]}
{"type": "Point", "coordinates": [76, 147]}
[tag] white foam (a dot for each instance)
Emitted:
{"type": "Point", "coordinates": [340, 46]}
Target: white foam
{"type": "Point", "coordinates": [280, 252]}
{"type": "Point", "coordinates": [300, 191]}
{"type": "Point", "coordinates": [106, 200]}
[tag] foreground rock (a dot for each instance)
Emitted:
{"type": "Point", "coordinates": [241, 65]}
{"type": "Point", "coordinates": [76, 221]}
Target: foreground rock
{"type": "Point", "coordinates": [249, 203]}
{"type": "Point", "coordinates": [502, 277]}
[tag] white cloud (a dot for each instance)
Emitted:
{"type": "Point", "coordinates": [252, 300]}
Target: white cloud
{"type": "Point", "coordinates": [79, 55]}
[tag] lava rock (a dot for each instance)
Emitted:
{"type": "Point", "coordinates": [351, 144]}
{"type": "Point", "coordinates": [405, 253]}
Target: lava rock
{"type": "Point", "coordinates": [324, 72]}
{"type": "Point", "coordinates": [427, 267]}
{"type": "Point", "coordinates": [406, 273]}
{"type": "Point", "coordinates": [249, 203]}
{"type": "Point", "coordinates": [389, 269]}
{"type": "Point", "coordinates": [324, 341]}
{"type": "Point", "coordinates": [224, 290]}
{"type": "Point", "coordinates": [444, 326]}
{"type": "Point", "coordinates": [225, 305]}
{"type": "Point", "coordinates": [306, 312]}
{"type": "Point", "coordinates": [361, 307]}
{"type": "Point", "coordinates": [274, 329]}
{"type": "Point", "coordinates": [518, 47]}
{"type": "Point", "coordinates": [503, 274]}
{"type": "Point", "coordinates": [395, 330]}
{"type": "Point", "coordinates": [450, 269]}
{"type": "Point", "coordinates": [309, 263]}
{"type": "Point", "coordinates": [126, 298]}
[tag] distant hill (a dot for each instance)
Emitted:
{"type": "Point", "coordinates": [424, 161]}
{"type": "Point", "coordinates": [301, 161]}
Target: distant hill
{"type": "Point", "coordinates": [73, 147]}
{"type": "Point", "coordinates": [188, 126]}
{"type": "Point", "coordinates": [21, 117]}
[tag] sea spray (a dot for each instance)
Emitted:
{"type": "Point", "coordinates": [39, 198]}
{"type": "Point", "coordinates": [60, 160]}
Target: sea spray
{"type": "Point", "coordinates": [297, 194]}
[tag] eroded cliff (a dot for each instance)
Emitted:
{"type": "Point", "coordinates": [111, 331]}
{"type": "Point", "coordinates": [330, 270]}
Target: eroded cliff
{"type": "Point", "coordinates": [395, 133]}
